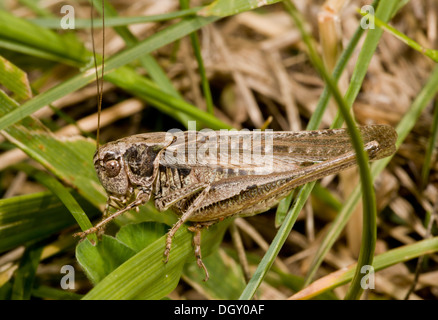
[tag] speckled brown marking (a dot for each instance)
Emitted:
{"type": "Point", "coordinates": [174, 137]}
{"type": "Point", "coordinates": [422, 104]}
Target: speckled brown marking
{"type": "Point", "coordinates": [134, 168]}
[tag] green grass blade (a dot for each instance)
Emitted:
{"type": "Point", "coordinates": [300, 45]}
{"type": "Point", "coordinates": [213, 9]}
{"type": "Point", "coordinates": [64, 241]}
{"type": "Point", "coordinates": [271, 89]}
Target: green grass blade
{"type": "Point", "coordinates": [283, 209]}
{"type": "Point", "coordinates": [46, 292]}
{"type": "Point", "coordinates": [68, 159]}
{"type": "Point", "coordinates": [35, 7]}
{"type": "Point", "coordinates": [204, 80]}
{"type": "Point", "coordinates": [381, 262]}
{"type": "Point", "coordinates": [101, 259]}
{"type": "Point", "coordinates": [316, 118]}
{"type": "Point", "coordinates": [430, 148]}
{"type": "Point", "coordinates": [185, 4]}
{"type": "Point", "coordinates": [156, 41]}
{"type": "Point", "coordinates": [65, 48]}
{"type": "Point", "coordinates": [53, 23]}
{"type": "Point", "coordinates": [148, 61]}
{"type": "Point", "coordinates": [25, 49]}
{"type": "Point", "coordinates": [40, 144]}
{"type": "Point", "coordinates": [277, 243]}
{"type": "Point", "coordinates": [226, 277]}
{"type": "Point", "coordinates": [369, 200]}
{"type": "Point", "coordinates": [14, 79]}
{"type": "Point", "coordinates": [145, 276]}
{"type": "Point", "coordinates": [33, 217]}
{"type": "Point", "coordinates": [137, 236]}
{"type": "Point", "coordinates": [365, 175]}
{"type": "Point", "coordinates": [224, 8]}
{"type": "Point", "coordinates": [403, 128]}
{"type": "Point", "coordinates": [409, 120]}
{"type": "Point", "coordinates": [384, 10]}
{"type": "Point", "coordinates": [327, 198]}
{"type": "Point", "coordinates": [25, 274]}
{"type": "Point", "coordinates": [63, 194]}
{"type": "Point", "coordinates": [431, 53]}
{"type": "Point", "coordinates": [129, 80]}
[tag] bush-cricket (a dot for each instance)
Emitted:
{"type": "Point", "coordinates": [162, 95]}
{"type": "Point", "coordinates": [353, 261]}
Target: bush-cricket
{"type": "Point", "coordinates": [208, 176]}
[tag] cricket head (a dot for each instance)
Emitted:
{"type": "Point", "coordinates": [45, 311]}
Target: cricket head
{"type": "Point", "coordinates": [111, 171]}
{"type": "Point", "coordinates": [128, 164]}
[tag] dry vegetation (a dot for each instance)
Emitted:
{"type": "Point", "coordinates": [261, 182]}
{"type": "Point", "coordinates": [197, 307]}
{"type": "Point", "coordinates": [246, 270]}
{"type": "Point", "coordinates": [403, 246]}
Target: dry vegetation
{"type": "Point", "coordinates": [260, 74]}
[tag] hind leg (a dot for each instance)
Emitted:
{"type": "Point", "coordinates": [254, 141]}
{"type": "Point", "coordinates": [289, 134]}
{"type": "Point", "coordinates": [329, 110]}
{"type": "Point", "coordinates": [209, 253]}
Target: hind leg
{"type": "Point", "coordinates": [196, 229]}
{"type": "Point", "coordinates": [185, 217]}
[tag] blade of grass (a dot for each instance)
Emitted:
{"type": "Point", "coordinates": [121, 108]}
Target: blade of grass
{"type": "Point", "coordinates": [101, 259]}
{"type": "Point", "coordinates": [33, 217]}
{"type": "Point", "coordinates": [369, 201]}
{"type": "Point", "coordinates": [65, 48]}
{"type": "Point", "coordinates": [46, 292]}
{"type": "Point", "coordinates": [278, 278]}
{"type": "Point", "coordinates": [276, 244]}
{"type": "Point", "coordinates": [137, 236]}
{"type": "Point", "coordinates": [36, 141]}
{"type": "Point", "coordinates": [431, 53]}
{"type": "Point", "coordinates": [283, 209]}
{"type": "Point", "coordinates": [25, 274]}
{"type": "Point", "coordinates": [224, 8]}
{"type": "Point", "coordinates": [381, 262]}
{"type": "Point", "coordinates": [148, 61]}
{"type": "Point", "coordinates": [53, 23]}
{"type": "Point", "coordinates": [63, 194]}
{"type": "Point", "coordinates": [316, 118]}
{"type": "Point", "coordinates": [384, 10]}
{"type": "Point", "coordinates": [143, 88]}
{"type": "Point", "coordinates": [403, 129]}
{"type": "Point", "coordinates": [306, 190]}
{"type": "Point", "coordinates": [430, 148]}
{"type": "Point", "coordinates": [185, 4]}
{"type": "Point", "coordinates": [146, 276]}
{"type": "Point", "coordinates": [156, 41]}
{"type": "Point", "coordinates": [327, 198]}
{"type": "Point", "coordinates": [35, 7]}
{"type": "Point", "coordinates": [226, 281]}
{"type": "Point", "coordinates": [14, 79]}
{"type": "Point", "coordinates": [26, 49]}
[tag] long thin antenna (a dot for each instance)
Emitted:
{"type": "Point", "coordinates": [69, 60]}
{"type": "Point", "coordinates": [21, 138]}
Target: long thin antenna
{"type": "Point", "coordinates": [99, 82]}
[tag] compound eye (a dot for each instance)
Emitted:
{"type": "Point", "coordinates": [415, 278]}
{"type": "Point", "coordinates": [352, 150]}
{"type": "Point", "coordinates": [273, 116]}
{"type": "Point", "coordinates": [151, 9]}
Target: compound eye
{"type": "Point", "coordinates": [112, 168]}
